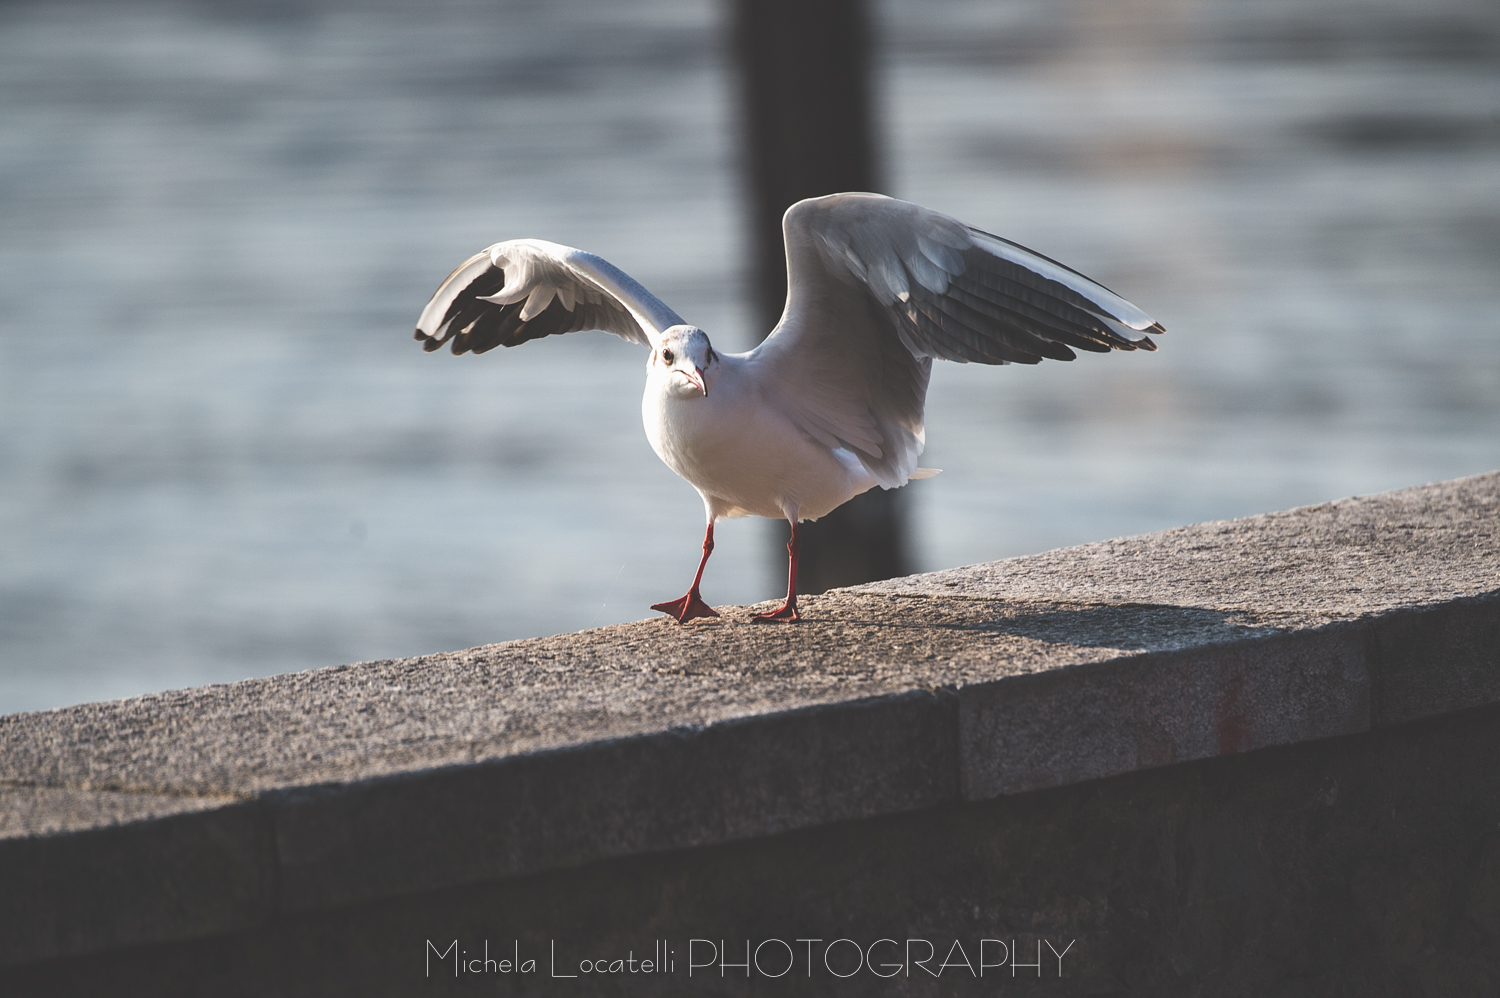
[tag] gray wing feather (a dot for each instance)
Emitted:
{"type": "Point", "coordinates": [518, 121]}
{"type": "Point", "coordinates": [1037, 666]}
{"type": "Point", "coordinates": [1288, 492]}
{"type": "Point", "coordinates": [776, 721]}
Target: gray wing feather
{"type": "Point", "coordinates": [524, 289]}
{"type": "Point", "coordinates": [878, 287]}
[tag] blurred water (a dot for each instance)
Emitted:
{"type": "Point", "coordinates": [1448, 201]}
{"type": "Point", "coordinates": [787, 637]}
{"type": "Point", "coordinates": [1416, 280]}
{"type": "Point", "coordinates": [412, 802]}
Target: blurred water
{"type": "Point", "coordinates": [221, 455]}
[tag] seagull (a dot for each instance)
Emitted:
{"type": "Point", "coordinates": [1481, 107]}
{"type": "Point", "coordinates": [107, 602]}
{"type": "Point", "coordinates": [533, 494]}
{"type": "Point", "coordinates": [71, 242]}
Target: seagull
{"type": "Point", "coordinates": [830, 404]}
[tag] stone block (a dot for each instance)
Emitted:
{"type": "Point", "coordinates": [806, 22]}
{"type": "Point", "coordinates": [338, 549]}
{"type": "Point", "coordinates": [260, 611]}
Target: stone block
{"type": "Point", "coordinates": [1160, 708]}
{"type": "Point", "coordinates": [85, 871]}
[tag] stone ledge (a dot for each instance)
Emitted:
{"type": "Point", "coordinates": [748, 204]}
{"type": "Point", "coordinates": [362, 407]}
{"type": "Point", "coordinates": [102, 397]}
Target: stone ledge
{"type": "Point", "coordinates": [113, 869]}
{"type": "Point", "coordinates": [1154, 710]}
{"type": "Point", "coordinates": [199, 811]}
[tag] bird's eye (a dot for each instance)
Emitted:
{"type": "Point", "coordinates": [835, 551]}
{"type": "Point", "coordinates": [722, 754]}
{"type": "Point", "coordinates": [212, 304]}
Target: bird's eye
{"type": "Point", "coordinates": [666, 355]}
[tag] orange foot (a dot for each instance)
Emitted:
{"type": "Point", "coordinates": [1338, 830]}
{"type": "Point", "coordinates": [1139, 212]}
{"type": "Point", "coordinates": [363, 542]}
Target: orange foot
{"type": "Point", "coordinates": [787, 613]}
{"type": "Point", "coordinates": [686, 608]}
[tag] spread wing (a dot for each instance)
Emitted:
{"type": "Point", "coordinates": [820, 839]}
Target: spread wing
{"type": "Point", "coordinates": [879, 287]}
{"type": "Point", "coordinates": [524, 289]}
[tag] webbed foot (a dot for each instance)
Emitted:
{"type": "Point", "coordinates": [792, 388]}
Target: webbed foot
{"type": "Point", "coordinates": [686, 608]}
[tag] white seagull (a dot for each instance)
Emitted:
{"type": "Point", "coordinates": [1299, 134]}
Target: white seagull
{"type": "Point", "coordinates": [830, 404]}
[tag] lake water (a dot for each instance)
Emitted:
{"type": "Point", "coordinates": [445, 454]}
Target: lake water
{"type": "Point", "coordinates": [222, 456]}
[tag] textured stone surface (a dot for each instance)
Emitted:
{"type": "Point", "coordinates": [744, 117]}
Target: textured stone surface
{"type": "Point", "coordinates": [500, 701]}
{"type": "Point", "coordinates": [1187, 588]}
{"type": "Point", "coordinates": [1166, 708]}
{"type": "Point", "coordinates": [84, 871]}
{"type": "Point", "coordinates": [507, 760]}
{"type": "Point", "coordinates": [1437, 661]}
{"type": "Point", "coordinates": [1338, 560]}
{"type": "Point", "coordinates": [684, 788]}
{"type": "Point", "coordinates": [1357, 867]}
{"type": "Point", "coordinates": [38, 811]}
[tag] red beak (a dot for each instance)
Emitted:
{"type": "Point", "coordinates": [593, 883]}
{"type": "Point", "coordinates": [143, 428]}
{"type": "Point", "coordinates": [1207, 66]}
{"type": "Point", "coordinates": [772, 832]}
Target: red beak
{"type": "Point", "coordinates": [696, 377]}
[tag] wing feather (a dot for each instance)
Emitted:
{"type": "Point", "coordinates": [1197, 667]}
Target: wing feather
{"type": "Point", "coordinates": [879, 287]}
{"type": "Point", "coordinates": [524, 289]}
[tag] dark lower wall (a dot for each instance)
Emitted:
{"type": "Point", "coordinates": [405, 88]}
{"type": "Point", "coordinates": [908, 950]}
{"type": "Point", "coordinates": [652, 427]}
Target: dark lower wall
{"type": "Point", "coordinates": [1362, 866]}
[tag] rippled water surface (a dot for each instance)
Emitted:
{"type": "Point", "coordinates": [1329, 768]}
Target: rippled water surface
{"type": "Point", "coordinates": [221, 455]}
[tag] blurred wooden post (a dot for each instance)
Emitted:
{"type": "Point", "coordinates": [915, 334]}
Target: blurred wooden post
{"type": "Point", "coordinates": [805, 79]}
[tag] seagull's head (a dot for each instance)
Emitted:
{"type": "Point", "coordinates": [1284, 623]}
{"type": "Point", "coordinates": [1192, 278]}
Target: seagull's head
{"type": "Point", "coordinates": [686, 362]}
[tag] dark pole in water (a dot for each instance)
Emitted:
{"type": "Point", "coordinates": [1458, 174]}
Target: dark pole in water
{"type": "Point", "coordinates": [805, 83]}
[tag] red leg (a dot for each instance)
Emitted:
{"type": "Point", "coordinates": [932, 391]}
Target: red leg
{"type": "Point", "coordinates": [788, 610]}
{"type": "Point", "coordinates": [692, 605]}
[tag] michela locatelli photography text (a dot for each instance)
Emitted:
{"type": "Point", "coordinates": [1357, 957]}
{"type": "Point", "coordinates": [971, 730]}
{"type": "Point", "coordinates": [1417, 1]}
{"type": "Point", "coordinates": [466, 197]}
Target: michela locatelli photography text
{"type": "Point", "coordinates": [763, 958]}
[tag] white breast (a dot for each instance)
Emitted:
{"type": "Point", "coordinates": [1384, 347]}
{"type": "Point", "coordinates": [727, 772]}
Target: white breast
{"type": "Point", "coordinates": [742, 454]}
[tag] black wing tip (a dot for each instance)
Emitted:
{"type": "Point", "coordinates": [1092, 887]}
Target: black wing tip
{"type": "Point", "coordinates": [1144, 343]}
